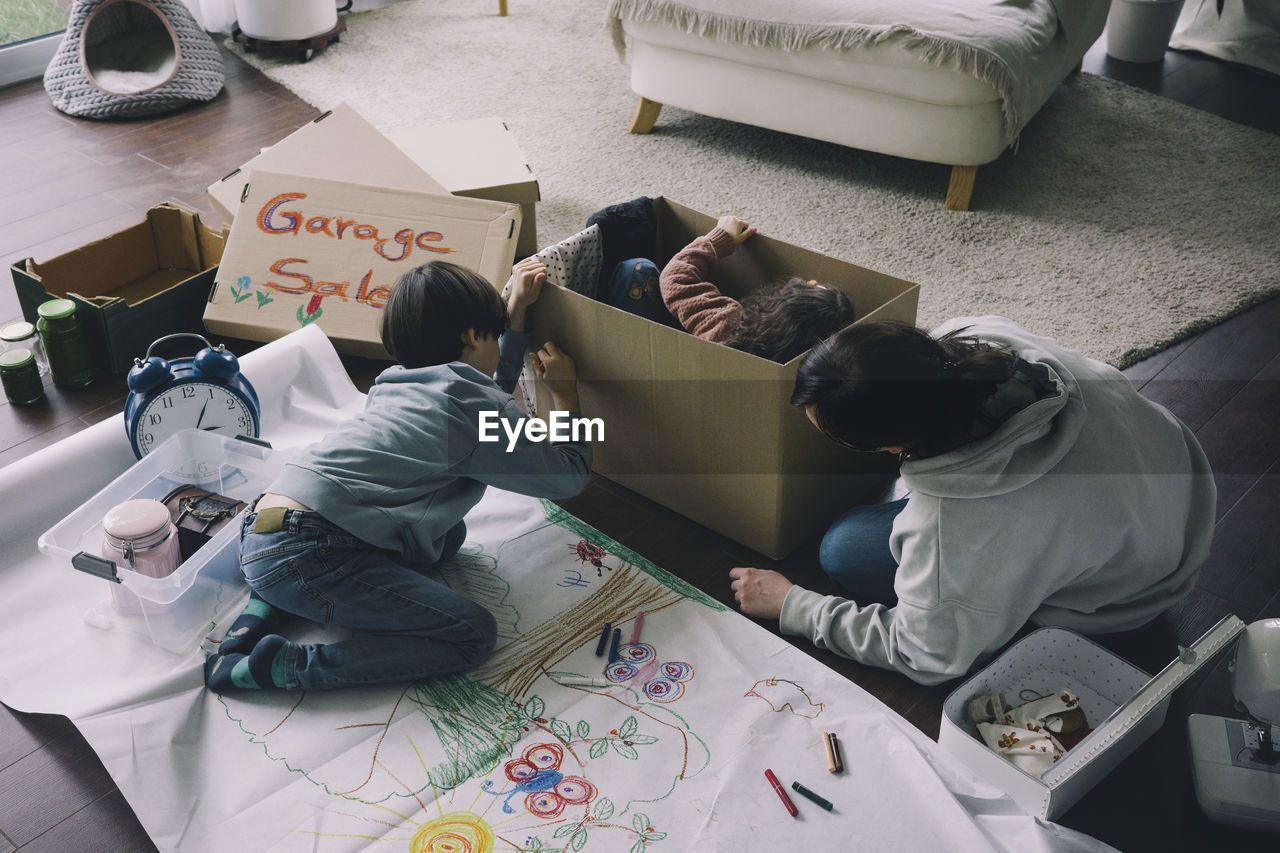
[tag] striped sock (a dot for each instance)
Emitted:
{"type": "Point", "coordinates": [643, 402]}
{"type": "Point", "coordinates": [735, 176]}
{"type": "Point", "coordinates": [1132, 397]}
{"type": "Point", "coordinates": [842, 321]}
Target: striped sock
{"type": "Point", "coordinates": [254, 622]}
{"type": "Point", "coordinates": [262, 667]}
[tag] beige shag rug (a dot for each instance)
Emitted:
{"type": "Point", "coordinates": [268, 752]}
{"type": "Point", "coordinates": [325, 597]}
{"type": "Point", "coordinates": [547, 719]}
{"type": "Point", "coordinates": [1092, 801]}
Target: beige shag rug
{"type": "Point", "coordinates": [1123, 222]}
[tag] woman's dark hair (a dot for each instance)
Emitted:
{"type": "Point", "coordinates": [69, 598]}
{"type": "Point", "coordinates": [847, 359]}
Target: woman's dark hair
{"type": "Point", "coordinates": [429, 309]}
{"type": "Point", "coordinates": [884, 383]}
{"type": "Point", "coordinates": [784, 320]}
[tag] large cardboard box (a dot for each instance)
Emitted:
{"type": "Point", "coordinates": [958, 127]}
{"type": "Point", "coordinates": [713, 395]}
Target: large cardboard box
{"type": "Point", "coordinates": [707, 430]}
{"type": "Point", "coordinates": [307, 250]}
{"type": "Point", "coordinates": [149, 280]}
{"type": "Point", "coordinates": [477, 158]}
{"type": "Point", "coordinates": [1122, 705]}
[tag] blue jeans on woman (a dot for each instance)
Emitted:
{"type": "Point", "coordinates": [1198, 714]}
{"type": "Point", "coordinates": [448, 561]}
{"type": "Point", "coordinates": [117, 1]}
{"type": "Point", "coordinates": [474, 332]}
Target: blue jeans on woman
{"type": "Point", "coordinates": [406, 626]}
{"type": "Point", "coordinates": [855, 552]}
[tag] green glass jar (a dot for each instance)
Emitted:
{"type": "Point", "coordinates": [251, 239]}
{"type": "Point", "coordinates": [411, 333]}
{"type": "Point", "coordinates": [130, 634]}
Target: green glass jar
{"type": "Point", "coordinates": [24, 334]}
{"type": "Point", "coordinates": [20, 376]}
{"type": "Point", "coordinates": [64, 344]}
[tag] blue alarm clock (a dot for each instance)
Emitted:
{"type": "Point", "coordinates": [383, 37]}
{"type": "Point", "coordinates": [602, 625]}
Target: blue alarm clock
{"type": "Point", "coordinates": [206, 392]}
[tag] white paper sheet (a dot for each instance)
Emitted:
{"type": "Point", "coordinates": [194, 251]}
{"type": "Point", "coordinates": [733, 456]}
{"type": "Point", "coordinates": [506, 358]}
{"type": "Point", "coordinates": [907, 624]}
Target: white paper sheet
{"type": "Point", "coordinates": [424, 766]}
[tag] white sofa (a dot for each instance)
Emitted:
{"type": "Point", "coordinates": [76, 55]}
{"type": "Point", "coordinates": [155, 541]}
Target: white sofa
{"type": "Point", "coordinates": [945, 81]}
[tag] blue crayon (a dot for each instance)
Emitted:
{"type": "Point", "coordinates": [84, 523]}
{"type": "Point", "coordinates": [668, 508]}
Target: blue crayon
{"type": "Point", "coordinates": [613, 644]}
{"type": "Point", "coordinates": [604, 638]}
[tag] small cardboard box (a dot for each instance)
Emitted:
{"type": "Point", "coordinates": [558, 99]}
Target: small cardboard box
{"type": "Point", "coordinates": [306, 250]}
{"type": "Point", "coordinates": [339, 145]}
{"type": "Point", "coordinates": [477, 158]}
{"type": "Point", "coordinates": [706, 430]}
{"type": "Point", "coordinates": [177, 611]}
{"type": "Point", "coordinates": [1122, 705]}
{"type": "Point", "coordinates": [149, 280]}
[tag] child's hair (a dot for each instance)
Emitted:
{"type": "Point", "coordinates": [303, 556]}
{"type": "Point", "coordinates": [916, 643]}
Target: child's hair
{"type": "Point", "coordinates": [429, 309]}
{"type": "Point", "coordinates": [884, 384]}
{"type": "Point", "coordinates": [784, 320]}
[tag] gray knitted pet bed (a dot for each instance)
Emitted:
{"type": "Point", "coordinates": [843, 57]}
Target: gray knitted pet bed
{"type": "Point", "coordinates": [125, 58]}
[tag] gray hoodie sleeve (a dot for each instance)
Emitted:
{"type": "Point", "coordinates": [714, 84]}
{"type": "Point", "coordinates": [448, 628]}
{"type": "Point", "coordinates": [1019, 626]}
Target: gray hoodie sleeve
{"type": "Point", "coordinates": [929, 645]}
{"type": "Point", "coordinates": [511, 349]}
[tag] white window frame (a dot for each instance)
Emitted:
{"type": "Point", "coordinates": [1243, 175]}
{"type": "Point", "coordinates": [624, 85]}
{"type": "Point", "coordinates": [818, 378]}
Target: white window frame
{"type": "Point", "coordinates": [28, 59]}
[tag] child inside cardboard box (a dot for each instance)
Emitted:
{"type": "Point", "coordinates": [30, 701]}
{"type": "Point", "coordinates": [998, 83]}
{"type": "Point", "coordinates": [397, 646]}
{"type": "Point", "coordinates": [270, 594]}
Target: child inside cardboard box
{"type": "Point", "coordinates": [778, 322]}
{"type": "Point", "coordinates": [611, 260]}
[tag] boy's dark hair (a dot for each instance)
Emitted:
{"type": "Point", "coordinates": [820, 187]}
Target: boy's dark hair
{"type": "Point", "coordinates": [429, 309]}
{"type": "Point", "coordinates": [884, 383]}
{"type": "Point", "coordinates": [782, 321]}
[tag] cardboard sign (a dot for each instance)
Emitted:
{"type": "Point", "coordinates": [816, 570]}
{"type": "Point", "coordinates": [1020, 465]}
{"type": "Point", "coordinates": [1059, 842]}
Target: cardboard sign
{"type": "Point", "coordinates": [306, 250]}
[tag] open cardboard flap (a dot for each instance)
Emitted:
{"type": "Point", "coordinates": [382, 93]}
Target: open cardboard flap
{"type": "Point", "coordinates": [340, 145]}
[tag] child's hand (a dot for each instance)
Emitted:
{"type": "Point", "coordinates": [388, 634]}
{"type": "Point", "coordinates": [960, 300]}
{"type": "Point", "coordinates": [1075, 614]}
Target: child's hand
{"type": "Point", "coordinates": [527, 278]}
{"type": "Point", "coordinates": [556, 368]}
{"type": "Point", "coordinates": [736, 228]}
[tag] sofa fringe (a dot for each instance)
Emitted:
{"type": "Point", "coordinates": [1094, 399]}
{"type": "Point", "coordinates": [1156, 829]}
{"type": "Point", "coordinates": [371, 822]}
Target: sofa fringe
{"type": "Point", "coordinates": [935, 49]}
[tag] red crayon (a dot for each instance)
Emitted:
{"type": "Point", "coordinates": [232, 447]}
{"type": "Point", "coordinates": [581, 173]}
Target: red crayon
{"type": "Point", "coordinates": [782, 794]}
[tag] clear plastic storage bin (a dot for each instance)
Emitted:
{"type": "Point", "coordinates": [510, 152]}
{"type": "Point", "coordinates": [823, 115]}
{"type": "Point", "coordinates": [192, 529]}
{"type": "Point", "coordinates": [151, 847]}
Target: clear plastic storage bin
{"type": "Point", "coordinates": [177, 611]}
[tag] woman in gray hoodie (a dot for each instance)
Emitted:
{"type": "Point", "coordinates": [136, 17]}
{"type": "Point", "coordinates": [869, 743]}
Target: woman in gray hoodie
{"type": "Point", "coordinates": [1043, 487]}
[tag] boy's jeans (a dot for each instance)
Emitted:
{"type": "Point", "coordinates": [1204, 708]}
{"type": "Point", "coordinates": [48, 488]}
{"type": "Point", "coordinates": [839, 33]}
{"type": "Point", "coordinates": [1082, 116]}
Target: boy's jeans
{"type": "Point", "coordinates": [405, 625]}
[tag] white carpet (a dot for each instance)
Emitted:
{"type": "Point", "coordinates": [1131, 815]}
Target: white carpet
{"type": "Point", "coordinates": [1124, 222]}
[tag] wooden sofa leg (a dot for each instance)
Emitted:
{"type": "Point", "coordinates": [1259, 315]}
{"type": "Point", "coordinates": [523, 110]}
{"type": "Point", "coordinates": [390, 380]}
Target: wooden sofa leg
{"type": "Point", "coordinates": [645, 116]}
{"type": "Point", "coordinates": [961, 187]}
{"type": "Point", "coordinates": [502, 8]}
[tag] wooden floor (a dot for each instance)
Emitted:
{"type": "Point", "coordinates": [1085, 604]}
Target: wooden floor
{"type": "Point", "coordinates": [66, 182]}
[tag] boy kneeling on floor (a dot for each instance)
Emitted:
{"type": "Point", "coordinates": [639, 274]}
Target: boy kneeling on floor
{"type": "Point", "coordinates": [345, 535]}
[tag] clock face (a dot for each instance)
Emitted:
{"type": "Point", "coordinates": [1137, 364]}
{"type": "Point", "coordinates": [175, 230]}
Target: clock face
{"type": "Point", "coordinates": [193, 405]}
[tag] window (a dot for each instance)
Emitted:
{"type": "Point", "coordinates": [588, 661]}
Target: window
{"type": "Point", "coordinates": [30, 32]}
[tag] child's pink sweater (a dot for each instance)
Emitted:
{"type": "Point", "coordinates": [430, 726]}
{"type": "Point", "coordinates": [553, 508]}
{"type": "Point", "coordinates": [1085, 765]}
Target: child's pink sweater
{"type": "Point", "coordinates": [696, 303]}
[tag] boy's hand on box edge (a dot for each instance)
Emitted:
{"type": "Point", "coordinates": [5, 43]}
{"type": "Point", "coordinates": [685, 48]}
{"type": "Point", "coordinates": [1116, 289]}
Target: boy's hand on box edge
{"type": "Point", "coordinates": [759, 592]}
{"type": "Point", "coordinates": [556, 368]}
{"type": "Point", "coordinates": [528, 277]}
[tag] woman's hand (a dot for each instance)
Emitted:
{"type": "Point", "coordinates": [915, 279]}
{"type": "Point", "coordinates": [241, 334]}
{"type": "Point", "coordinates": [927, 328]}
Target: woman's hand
{"type": "Point", "coordinates": [759, 592]}
{"type": "Point", "coordinates": [736, 228]}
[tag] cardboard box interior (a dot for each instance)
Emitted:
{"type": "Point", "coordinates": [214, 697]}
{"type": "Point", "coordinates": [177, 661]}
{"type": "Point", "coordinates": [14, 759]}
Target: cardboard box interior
{"type": "Point", "coordinates": [707, 430]}
{"type": "Point", "coordinates": [146, 281]}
